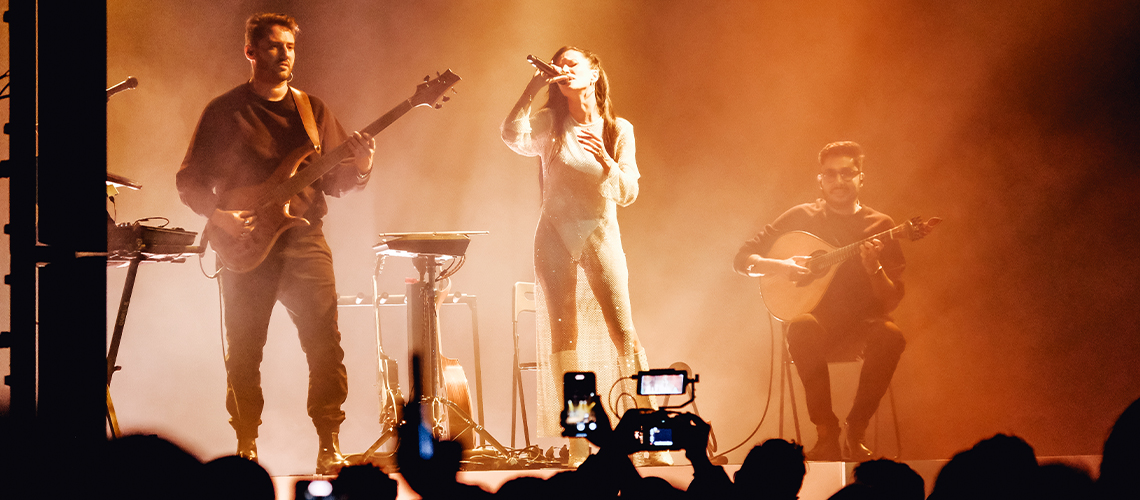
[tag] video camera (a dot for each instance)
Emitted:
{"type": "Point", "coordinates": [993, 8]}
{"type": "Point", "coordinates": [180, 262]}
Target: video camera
{"type": "Point", "coordinates": [662, 429]}
{"type": "Point", "coordinates": [652, 430]}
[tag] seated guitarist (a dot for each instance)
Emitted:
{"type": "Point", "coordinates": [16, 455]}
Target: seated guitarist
{"type": "Point", "coordinates": [240, 141]}
{"type": "Point", "coordinates": [853, 312]}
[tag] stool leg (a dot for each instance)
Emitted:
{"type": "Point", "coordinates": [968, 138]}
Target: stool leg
{"type": "Point", "coordinates": [522, 406]}
{"type": "Point", "coordinates": [792, 394]}
{"type": "Point", "coordinates": [515, 377]}
{"type": "Point", "coordinates": [895, 414]}
{"type": "Point", "coordinates": [783, 371]}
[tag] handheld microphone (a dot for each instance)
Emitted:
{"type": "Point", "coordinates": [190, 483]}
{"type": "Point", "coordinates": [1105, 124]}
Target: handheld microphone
{"type": "Point", "coordinates": [545, 68]}
{"type": "Point", "coordinates": [128, 84]}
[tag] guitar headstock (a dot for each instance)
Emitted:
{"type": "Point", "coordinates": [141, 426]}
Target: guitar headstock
{"type": "Point", "coordinates": [431, 91]}
{"type": "Point", "coordinates": [916, 228]}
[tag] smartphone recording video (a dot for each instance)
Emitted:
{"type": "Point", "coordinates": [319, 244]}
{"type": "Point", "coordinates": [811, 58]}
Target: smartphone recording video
{"type": "Point", "coordinates": [314, 490]}
{"type": "Point", "coordinates": [579, 417]}
{"type": "Point", "coordinates": [657, 429]}
{"type": "Point", "coordinates": [666, 382]}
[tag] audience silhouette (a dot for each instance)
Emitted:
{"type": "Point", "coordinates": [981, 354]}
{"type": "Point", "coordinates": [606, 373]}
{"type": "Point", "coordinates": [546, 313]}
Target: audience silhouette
{"type": "Point", "coordinates": [773, 470]}
{"type": "Point", "coordinates": [237, 478]}
{"type": "Point", "coordinates": [1120, 459]}
{"type": "Point", "coordinates": [1000, 467]}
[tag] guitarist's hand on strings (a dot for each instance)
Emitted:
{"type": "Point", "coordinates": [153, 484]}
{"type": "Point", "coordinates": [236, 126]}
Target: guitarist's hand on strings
{"type": "Point", "coordinates": [237, 223]}
{"type": "Point", "coordinates": [362, 147]}
{"type": "Point", "coordinates": [869, 253]}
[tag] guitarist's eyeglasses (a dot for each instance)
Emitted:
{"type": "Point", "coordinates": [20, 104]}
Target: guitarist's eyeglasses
{"type": "Point", "coordinates": [845, 174]}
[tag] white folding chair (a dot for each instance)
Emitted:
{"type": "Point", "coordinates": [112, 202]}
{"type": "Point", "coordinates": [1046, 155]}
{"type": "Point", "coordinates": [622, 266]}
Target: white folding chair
{"type": "Point", "coordinates": [523, 301]}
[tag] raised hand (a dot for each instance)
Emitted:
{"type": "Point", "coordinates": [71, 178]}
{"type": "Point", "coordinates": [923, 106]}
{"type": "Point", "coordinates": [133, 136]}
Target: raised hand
{"type": "Point", "coordinates": [594, 145]}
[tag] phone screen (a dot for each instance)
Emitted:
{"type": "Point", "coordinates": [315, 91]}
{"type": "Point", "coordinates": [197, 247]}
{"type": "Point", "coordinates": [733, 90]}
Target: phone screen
{"type": "Point", "coordinates": [666, 384]}
{"type": "Point", "coordinates": [314, 490]}
{"type": "Point", "coordinates": [660, 437]}
{"type": "Point", "coordinates": [579, 417]}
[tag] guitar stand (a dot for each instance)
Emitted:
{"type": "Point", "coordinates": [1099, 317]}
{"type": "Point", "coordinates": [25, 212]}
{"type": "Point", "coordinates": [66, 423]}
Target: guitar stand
{"type": "Point", "coordinates": [471, 425]}
{"type": "Point", "coordinates": [421, 299]}
{"type": "Point", "coordinates": [390, 419]}
{"type": "Point", "coordinates": [391, 402]}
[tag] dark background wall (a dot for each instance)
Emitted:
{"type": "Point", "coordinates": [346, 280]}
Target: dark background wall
{"type": "Point", "coordinates": [1014, 121]}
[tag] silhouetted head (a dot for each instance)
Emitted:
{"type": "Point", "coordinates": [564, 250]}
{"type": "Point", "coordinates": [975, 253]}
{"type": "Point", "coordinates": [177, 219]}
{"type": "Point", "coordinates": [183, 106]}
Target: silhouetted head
{"type": "Point", "coordinates": [773, 470]}
{"type": "Point", "coordinates": [523, 488]}
{"type": "Point", "coordinates": [237, 478]}
{"type": "Point", "coordinates": [891, 480]}
{"type": "Point", "coordinates": [996, 468]}
{"type": "Point", "coordinates": [1058, 481]}
{"type": "Point", "coordinates": [150, 467]}
{"type": "Point", "coordinates": [855, 491]}
{"type": "Point", "coordinates": [652, 488]}
{"type": "Point", "coordinates": [1121, 459]}
{"type": "Point", "coordinates": [365, 481]}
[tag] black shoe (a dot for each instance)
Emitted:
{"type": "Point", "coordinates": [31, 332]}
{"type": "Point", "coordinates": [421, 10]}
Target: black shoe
{"type": "Point", "coordinates": [247, 449]}
{"type": "Point", "coordinates": [329, 459]}
{"type": "Point", "coordinates": [857, 449]}
{"type": "Point", "coordinates": [826, 447]}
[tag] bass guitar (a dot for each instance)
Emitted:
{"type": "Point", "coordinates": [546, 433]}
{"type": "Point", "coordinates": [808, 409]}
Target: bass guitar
{"type": "Point", "coordinates": [786, 298]}
{"type": "Point", "coordinates": [275, 202]}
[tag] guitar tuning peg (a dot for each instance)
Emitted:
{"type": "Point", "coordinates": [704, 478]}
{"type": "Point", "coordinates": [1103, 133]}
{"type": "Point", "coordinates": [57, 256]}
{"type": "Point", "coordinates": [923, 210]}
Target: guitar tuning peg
{"type": "Point", "coordinates": [437, 73]}
{"type": "Point", "coordinates": [446, 98]}
{"type": "Point", "coordinates": [427, 78]}
{"type": "Point", "coordinates": [454, 91]}
{"type": "Point", "coordinates": [438, 106]}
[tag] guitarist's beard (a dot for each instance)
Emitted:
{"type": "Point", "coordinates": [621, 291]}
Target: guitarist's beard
{"type": "Point", "coordinates": [841, 197]}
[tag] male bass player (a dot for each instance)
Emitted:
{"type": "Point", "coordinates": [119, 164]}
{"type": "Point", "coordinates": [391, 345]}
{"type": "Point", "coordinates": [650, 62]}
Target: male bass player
{"type": "Point", "coordinates": [240, 141]}
{"type": "Point", "coordinates": [854, 310]}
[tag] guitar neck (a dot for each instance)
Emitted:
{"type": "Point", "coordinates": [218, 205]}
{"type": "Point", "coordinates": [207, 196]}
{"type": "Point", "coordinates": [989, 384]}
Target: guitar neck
{"type": "Point", "coordinates": [840, 255]}
{"type": "Point", "coordinates": [329, 160]}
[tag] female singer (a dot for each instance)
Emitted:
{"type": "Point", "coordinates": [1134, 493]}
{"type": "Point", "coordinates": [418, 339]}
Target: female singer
{"type": "Point", "coordinates": [588, 170]}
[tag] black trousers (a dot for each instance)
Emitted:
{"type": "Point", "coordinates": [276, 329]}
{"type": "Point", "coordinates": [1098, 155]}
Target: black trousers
{"type": "Point", "coordinates": [298, 272]}
{"type": "Point", "coordinates": [812, 341]}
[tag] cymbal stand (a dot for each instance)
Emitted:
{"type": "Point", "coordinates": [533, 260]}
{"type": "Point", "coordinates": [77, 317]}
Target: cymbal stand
{"type": "Point", "coordinates": [423, 321]}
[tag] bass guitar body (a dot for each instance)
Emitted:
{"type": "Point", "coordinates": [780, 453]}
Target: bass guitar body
{"type": "Point", "coordinates": [243, 253]}
{"type": "Point", "coordinates": [786, 298]}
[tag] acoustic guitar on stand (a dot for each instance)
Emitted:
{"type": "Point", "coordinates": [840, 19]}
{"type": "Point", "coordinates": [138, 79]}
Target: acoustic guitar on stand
{"type": "Point", "coordinates": [786, 298]}
{"type": "Point", "coordinates": [275, 203]}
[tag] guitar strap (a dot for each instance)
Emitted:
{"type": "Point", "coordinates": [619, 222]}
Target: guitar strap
{"type": "Point", "coordinates": [305, 109]}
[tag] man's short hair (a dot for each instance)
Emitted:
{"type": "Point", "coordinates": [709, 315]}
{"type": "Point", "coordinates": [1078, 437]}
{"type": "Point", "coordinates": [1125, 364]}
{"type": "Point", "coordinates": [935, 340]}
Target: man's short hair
{"type": "Point", "coordinates": [259, 25]}
{"type": "Point", "coordinates": [843, 148]}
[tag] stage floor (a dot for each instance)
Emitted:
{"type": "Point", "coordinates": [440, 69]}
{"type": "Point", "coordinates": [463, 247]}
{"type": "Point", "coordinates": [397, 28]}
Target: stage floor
{"type": "Point", "coordinates": [823, 478]}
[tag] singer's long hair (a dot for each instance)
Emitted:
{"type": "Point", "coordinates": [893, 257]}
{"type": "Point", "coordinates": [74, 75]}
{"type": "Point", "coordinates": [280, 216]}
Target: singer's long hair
{"type": "Point", "coordinates": [557, 102]}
